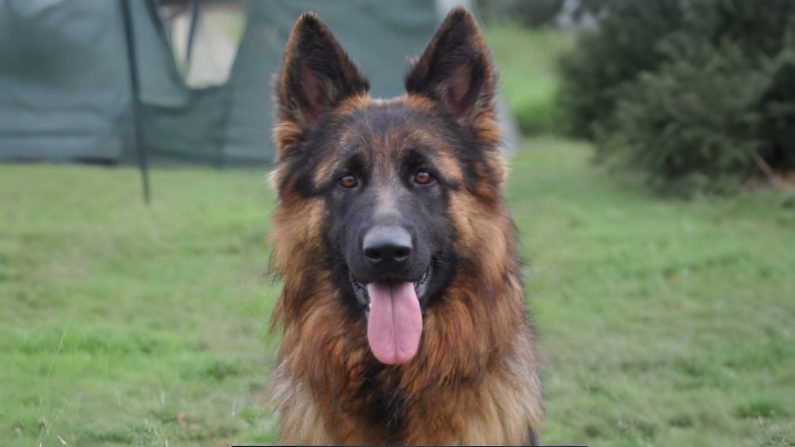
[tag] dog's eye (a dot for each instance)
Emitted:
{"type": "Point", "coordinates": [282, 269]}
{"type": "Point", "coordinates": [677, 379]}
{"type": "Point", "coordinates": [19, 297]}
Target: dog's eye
{"type": "Point", "coordinates": [423, 177]}
{"type": "Point", "coordinates": [348, 181]}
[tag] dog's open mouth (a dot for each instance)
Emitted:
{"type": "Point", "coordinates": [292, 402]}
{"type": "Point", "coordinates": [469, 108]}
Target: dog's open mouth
{"type": "Point", "coordinates": [394, 317]}
{"type": "Point", "coordinates": [420, 287]}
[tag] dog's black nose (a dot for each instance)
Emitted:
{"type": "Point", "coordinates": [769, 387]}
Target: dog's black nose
{"type": "Point", "coordinates": [387, 247]}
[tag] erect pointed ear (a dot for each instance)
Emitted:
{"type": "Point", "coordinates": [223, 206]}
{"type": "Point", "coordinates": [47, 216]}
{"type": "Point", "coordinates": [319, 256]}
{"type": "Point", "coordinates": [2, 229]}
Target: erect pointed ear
{"type": "Point", "coordinates": [316, 74]}
{"type": "Point", "coordinates": [456, 70]}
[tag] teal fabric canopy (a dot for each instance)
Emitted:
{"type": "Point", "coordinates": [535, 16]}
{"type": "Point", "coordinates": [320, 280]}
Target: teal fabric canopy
{"type": "Point", "coordinates": [65, 84]}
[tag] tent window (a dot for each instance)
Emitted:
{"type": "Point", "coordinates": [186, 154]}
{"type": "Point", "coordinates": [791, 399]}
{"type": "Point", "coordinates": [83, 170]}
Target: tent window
{"type": "Point", "coordinates": [204, 36]}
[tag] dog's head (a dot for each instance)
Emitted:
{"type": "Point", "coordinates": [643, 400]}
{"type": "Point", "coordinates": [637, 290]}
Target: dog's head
{"type": "Point", "coordinates": [398, 178]}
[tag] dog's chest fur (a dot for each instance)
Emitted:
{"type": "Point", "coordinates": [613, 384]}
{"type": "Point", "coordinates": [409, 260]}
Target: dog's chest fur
{"type": "Point", "coordinates": [499, 407]}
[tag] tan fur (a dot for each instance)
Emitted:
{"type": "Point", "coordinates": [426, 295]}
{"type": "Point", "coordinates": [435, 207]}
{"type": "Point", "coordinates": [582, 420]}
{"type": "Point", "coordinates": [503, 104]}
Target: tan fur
{"type": "Point", "coordinates": [474, 379]}
{"type": "Point", "coordinates": [301, 420]}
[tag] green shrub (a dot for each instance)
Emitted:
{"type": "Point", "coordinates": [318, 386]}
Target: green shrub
{"type": "Point", "coordinates": [526, 61]}
{"type": "Point", "coordinates": [694, 95]}
{"type": "Point", "coordinates": [538, 115]}
{"type": "Point", "coordinates": [604, 59]}
{"type": "Point", "coordinates": [689, 124]}
{"type": "Point", "coordinates": [777, 107]}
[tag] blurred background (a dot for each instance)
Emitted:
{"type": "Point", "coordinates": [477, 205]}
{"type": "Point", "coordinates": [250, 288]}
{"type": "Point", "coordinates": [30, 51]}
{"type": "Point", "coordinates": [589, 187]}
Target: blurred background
{"type": "Point", "coordinates": [652, 154]}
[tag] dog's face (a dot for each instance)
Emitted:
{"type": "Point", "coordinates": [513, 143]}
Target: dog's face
{"type": "Point", "coordinates": [387, 191]}
{"type": "Point", "coordinates": [389, 171]}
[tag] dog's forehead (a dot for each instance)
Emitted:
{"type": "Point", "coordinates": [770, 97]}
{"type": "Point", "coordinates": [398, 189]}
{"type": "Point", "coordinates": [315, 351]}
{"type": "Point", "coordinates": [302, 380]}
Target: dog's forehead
{"type": "Point", "coordinates": [381, 134]}
{"type": "Point", "coordinates": [386, 129]}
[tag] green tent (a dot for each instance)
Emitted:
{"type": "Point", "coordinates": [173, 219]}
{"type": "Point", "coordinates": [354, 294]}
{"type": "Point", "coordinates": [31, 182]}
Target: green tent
{"type": "Point", "coordinates": [66, 89]}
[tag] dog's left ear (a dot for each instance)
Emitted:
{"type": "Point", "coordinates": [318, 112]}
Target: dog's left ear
{"type": "Point", "coordinates": [456, 70]}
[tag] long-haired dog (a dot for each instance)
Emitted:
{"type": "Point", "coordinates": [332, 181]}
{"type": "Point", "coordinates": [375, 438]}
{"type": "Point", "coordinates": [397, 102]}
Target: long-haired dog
{"type": "Point", "coordinates": [403, 307]}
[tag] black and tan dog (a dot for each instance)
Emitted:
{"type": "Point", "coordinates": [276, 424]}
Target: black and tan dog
{"type": "Point", "coordinates": [403, 308]}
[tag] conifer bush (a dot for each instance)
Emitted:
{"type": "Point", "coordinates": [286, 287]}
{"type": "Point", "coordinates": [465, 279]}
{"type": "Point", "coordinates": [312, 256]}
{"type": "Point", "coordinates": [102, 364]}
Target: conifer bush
{"type": "Point", "coordinates": [695, 95]}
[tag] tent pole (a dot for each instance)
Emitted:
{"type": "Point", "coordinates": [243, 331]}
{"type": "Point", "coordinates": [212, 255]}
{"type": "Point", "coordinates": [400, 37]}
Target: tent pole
{"type": "Point", "coordinates": [140, 145]}
{"type": "Point", "coordinates": [194, 22]}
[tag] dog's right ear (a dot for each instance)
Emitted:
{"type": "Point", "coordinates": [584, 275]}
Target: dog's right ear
{"type": "Point", "coordinates": [316, 75]}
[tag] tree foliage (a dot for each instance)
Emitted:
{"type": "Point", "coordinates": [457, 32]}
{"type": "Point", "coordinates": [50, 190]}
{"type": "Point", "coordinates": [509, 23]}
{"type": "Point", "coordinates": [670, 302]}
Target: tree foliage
{"type": "Point", "coordinates": [697, 95]}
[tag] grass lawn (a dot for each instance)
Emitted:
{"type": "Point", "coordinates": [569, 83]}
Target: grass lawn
{"type": "Point", "coordinates": [661, 322]}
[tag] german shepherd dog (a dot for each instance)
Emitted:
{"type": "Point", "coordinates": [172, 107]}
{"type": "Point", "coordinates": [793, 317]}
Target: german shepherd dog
{"type": "Point", "coordinates": [403, 307]}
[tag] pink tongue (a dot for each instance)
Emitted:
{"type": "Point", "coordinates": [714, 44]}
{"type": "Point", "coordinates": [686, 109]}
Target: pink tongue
{"type": "Point", "coordinates": [395, 322]}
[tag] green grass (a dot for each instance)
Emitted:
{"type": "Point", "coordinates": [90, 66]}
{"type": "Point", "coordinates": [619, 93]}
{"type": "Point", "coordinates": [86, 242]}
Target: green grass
{"type": "Point", "coordinates": [527, 65]}
{"type": "Point", "coordinates": [661, 322]}
{"type": "Point", "coordinates": [122, 324]}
